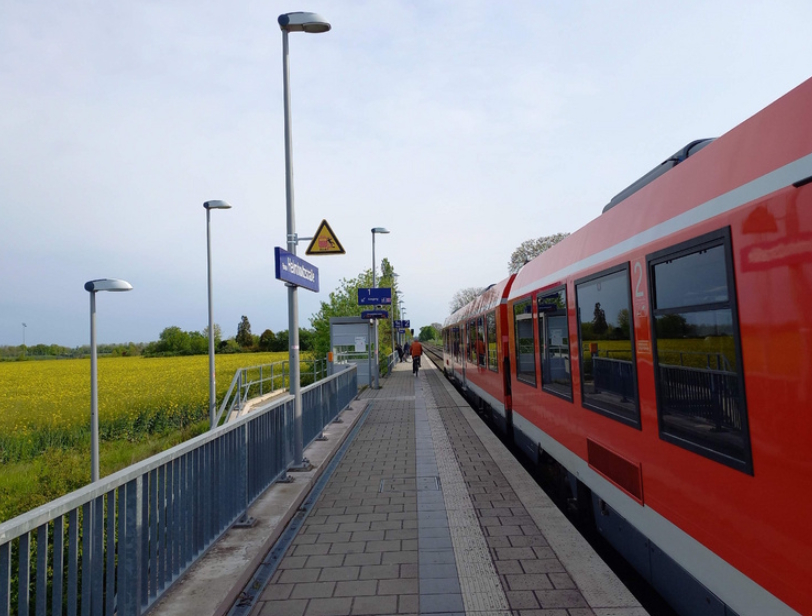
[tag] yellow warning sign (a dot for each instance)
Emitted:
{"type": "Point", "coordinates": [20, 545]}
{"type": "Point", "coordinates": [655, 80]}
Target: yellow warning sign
{"type": "Point", "coordinates": [325, 242]}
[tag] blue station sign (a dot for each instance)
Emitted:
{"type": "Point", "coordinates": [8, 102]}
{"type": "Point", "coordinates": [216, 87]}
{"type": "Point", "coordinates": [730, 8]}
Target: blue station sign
{"type": "Point", "coordinates": [375, 314]}
{"type": "Point", "coordinates": [406, 323]}
{"type": "Point", "coordinates": [294, 270]}
{"type": "Point", "coordinates": [376, 296]}
{"type": "Point", "coordinates": [397, 323]}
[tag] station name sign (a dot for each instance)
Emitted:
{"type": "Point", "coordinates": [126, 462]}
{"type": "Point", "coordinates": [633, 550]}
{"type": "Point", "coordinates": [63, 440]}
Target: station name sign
{"type": "Point", "coordinates": [295, 271]}
{"type": "Point", "coordinates": [404, 323]}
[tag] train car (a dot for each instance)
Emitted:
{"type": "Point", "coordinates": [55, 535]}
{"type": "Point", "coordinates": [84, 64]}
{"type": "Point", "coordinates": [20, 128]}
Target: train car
{"type": "Point", "coordinates": [662, 354]}
{"type": "Point", "coordinates": [454, 345]}
{"type": "Point", "coordinates": [476, 347]}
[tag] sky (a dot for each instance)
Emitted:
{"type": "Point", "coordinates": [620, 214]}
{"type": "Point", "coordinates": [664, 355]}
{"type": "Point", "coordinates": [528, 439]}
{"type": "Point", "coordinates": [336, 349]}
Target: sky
{"type": "Point", "coordinates": [464, 128]}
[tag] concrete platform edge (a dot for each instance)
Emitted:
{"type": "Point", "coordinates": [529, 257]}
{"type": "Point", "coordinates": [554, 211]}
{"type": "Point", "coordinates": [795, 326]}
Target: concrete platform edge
{"type": "Point", "coordinates": [358, 407]}
{"type": "Point", "coordinates": [180, 598]}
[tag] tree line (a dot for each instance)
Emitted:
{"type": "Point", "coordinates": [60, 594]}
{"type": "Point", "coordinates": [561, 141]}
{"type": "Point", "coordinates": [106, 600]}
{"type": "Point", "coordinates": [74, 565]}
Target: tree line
{"type": "Point", "coordinates": [171, 342]}
{"type": "Point", "coordinates": [174, 341]}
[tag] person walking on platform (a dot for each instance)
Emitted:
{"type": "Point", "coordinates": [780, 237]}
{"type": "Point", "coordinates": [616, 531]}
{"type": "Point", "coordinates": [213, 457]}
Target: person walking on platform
{"type": "Point", "coordinates": [399, 351]}
{"type": "Point", "coordinates": [416, 352]}
{"type": "Point", "coordinates": [407, 350]}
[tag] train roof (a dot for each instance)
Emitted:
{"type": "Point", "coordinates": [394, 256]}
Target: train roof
{"type": "Point", "coordinates": [490, 297]}
{"type": "Point", "coordinates": [714, 179]}
{"type": "Point", "coordinates": [664, 167]}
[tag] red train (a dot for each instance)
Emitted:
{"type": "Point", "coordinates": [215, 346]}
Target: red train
{"type": "Point", "coordinates": [662, 355]}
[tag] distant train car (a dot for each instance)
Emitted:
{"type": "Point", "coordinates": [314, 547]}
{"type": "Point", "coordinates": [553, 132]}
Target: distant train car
{"type": "Point", "coordinates": [662, 355]}
{"type": "Point", "coordinates": [475, 349]}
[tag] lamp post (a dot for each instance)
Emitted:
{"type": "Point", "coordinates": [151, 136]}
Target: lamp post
{"type": "Point", "coordinates": [314, 24]}
{"type": "Point", "coordinates": [211, 205]}
{"type": "Point", "coordinates": [376, 230]}
{"type": "Point", "coordinates": [394, 305]}
{"type": "Point", "coordinates": [102, 284]}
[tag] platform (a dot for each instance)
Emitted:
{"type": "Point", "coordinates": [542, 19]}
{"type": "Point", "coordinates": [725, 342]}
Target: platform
{"type": "Point", "coordinates": [427, 513]}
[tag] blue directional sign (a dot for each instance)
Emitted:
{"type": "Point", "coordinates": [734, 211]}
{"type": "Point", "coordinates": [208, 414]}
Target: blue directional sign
{"type": "Point", "coordinates": [401, 331]}
{"type": "Point", "coordinates": [374, 314]}
{"type": "Point", "coordinates": [398, 323]}
{"type": "Point", "coordinates": [376, 296]}
{"type": "Point", "coordinates": [406, 323]}
{"type": "Point", "coordinates": [294, 270]}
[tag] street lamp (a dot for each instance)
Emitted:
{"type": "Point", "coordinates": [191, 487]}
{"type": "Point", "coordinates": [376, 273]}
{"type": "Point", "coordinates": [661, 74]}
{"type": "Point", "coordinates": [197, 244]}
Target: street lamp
{"type": "Point", "coordinates": [395, 277]}
{"type": "Point", "coordinates": [102, 284]}
{"type": "Point", "coordinates": [211, 205]}
{"type": "Point", "coordinates": [313, 23]}
{"type": "Point", "coordinates": [376, 230]}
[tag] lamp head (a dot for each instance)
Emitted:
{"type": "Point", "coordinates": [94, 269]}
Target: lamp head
{"type": "Point", "coordinates": [107, 284]}
{"type": "Point", "coordinates": [217, 205]}
{"type": "Point", "coordinates": [303, 22]}
{"type": "Point", "coordinates": [380, 230]}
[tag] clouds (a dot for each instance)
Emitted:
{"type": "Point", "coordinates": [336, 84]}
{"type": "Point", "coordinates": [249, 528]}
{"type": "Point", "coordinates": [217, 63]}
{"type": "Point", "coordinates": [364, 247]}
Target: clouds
{"type": "Point", "coordinates": [464, 128]}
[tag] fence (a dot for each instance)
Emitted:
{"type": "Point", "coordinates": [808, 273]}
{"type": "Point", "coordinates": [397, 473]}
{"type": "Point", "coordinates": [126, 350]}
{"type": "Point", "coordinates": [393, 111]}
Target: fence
{"type": "Point", "coordinates": [255, 381]}
{"type": "Point", "coordinates": [710, 395]}
{"type": "Point", "coordinates": [614, 376]}
{"type": "Point", "coordinates": [117, 545]}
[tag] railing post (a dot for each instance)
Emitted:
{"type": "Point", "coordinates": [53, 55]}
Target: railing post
{"type": "Point", "coordinates": [239, 392]}
{"type": "Point", "coordinates": [129, 586]}
{"type": "Point", "coordinates": [260, 382]}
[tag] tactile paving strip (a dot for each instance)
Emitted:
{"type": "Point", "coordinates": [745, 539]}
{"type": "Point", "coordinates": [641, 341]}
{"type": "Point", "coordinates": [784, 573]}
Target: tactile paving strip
{"type": "Point", "coordinates": [481, 588]}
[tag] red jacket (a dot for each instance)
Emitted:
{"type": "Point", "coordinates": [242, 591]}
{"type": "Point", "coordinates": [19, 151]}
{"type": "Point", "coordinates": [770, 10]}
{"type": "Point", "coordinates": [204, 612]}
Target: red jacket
{"type": "Point", "coordinates": [417, 349]}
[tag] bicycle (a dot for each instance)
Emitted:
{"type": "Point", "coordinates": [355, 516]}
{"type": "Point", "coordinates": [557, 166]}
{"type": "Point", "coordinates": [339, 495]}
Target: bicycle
{"type": "Point", "coordinates": [415, 364]}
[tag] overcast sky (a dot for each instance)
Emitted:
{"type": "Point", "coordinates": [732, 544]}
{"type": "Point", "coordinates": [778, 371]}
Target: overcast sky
{"type": "Point", "coordinates": [463, 127]}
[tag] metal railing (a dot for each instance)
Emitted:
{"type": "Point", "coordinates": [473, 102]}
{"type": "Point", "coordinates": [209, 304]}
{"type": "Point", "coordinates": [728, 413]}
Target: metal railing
{"type": "Point", "coordinates": [116, 546]}
{"type": "Point", "coordinates": [256, 381]}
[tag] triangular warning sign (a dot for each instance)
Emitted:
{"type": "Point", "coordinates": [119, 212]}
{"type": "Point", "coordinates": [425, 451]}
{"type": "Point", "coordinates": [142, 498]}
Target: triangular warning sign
{"type": "Point", "coordinates": [325, 242]}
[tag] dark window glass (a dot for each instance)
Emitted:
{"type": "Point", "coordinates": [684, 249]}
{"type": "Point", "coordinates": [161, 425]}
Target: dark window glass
{"type": "Point", "coordinates": [481, 349]}
{"type": "Point", "coordinates": [525, 343]}
{"type": "Point", "coordinates": [455, 332]}
{"type": "Point", "coordinates": [700, 391]}
{"type": "Point", "coordinates": [493, 354]}
{"type": "Point", "coordinates": [472, 341]}
{"type": "Point", "coordinates": [609, 379]}
{"type": "Point", "coordinates": [554, 344]}
{"type": "Point", "coordinates": [692, 280]}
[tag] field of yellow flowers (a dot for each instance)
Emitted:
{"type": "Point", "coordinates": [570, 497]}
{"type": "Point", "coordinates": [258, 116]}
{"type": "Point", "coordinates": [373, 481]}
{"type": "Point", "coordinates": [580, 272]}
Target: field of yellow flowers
{"type": "Point", "coordinates": [46, 404]}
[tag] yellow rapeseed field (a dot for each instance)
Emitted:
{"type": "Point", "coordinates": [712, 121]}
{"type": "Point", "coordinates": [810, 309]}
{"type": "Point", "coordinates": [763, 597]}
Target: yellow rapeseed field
{"type": "Point", "coordinates": [47, 403]}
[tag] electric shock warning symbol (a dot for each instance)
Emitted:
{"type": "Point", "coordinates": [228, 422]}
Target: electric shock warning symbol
{"type": "Point", "coordinates": [325, 242]}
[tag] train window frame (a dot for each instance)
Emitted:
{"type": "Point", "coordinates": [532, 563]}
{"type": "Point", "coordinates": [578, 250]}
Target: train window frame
{"type": "Point", "coordinates": [561, 312]}
{"type": "Point", "coordinates": [721, 237]}
{"type": "Point", "coordinates": [531, 317]}
{"type": "Point", "coordinates": [493, 354]}
{"type": "Point", "coordinates": [632, 419]}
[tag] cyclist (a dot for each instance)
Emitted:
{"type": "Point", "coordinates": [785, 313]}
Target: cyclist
{"type": "Point", "coordinates": [416, 350]}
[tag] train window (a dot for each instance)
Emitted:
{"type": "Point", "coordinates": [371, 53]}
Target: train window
{"type": "Point", "coordinates": [493, 343]}
{"type": "Point", "coordinates": [480, 342]}
{"type": "Point", "coordinates": [554, 343]}
{"type": "Point", "coordinates": [525, 342]}
{"type": "Point", "coordinates": [608, 373]}
{"type": "Point", "coordinates": [472, 342]}
{"type": "Point", "coordinates": [697, 353]}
